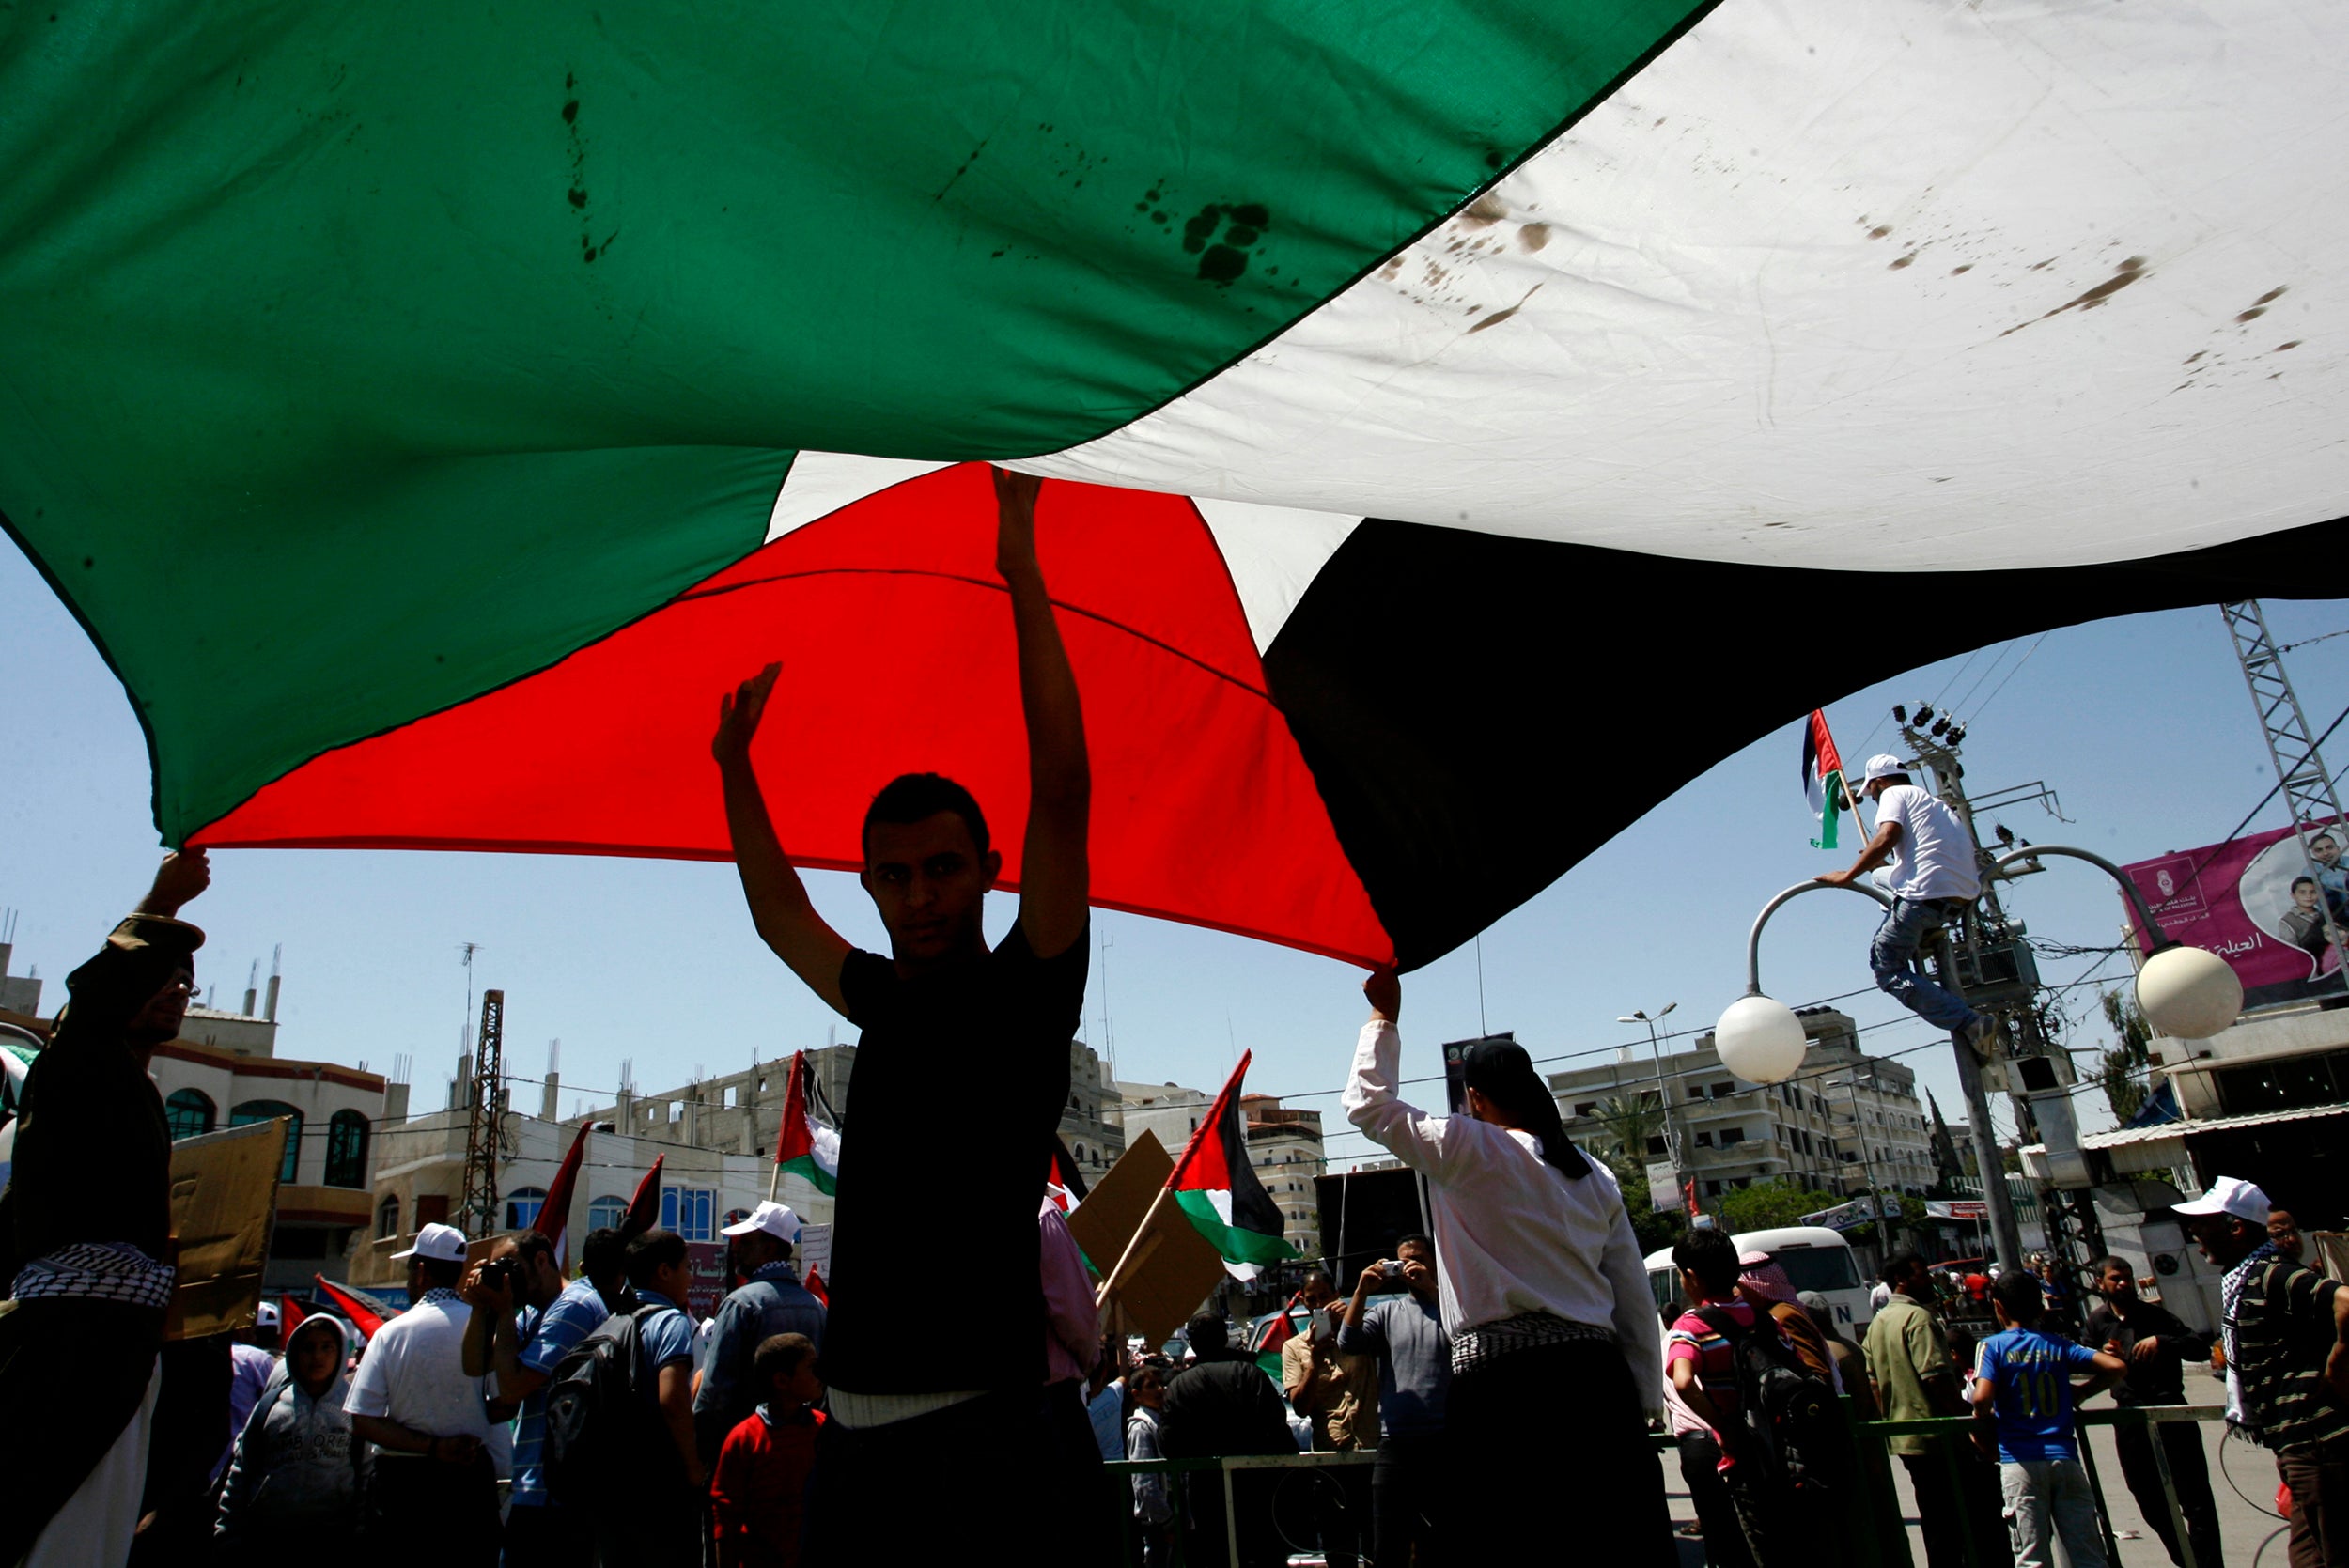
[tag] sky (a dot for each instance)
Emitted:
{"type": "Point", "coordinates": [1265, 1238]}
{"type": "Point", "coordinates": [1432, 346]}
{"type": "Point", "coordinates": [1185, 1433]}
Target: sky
{"type": "Point", "coordinates": [2141, 725]}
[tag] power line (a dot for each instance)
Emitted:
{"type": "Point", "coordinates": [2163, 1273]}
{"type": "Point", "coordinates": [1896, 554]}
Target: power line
{"type": "Point", "coordinates": [1976, 716]}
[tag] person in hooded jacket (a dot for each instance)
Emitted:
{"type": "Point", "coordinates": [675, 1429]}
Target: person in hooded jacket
{"type": "Point", "coordinates": [1557, 1356]}
{"type": "Point", "coordinates": [297, 1477]}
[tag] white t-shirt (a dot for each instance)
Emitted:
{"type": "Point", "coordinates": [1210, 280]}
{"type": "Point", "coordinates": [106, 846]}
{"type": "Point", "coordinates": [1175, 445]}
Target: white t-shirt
{"type": "Point", "coordinates": [413, 1372]}
{"type": "Point", "coordinates": [1935, 857]}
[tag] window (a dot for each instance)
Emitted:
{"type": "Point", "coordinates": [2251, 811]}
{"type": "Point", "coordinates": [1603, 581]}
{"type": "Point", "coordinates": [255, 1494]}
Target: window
{"type": "Point", "coordinates": [1719, 1090]}
{"type": "Point", "coordinates": [606, 1211]}
{"type": "Point", "coordinates": [347, 1149]}
{"type": "Point", "coordinates": [189, 1111]}
{"type": "Point", "coordinates": [735, 1217]}
{"type": "Point", "coordinates": [1732, 1135]}
{"type": "Point", "coordinates": [687, 1210]}
{"type": "Point", "coordinates": [1705, 1141]}
{"type": "Point", "coordinates": [1656, 1146]}
{"type": "Point", "coordinates": [387, 1218]}
{"type": "Point", "coordinates": [269, 1110]}
{"type": "Point", "coordinates": [522, 1208]}
{"type": "Point", "coordinates": [1586, 1107]}
{"type": "Point", "coordinates": [1712, 1189]}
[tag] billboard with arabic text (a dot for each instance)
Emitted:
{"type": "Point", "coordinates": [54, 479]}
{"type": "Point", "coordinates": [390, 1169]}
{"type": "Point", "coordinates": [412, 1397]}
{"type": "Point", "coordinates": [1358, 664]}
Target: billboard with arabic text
{"type": "Point", "coordinates": [2261, 903]}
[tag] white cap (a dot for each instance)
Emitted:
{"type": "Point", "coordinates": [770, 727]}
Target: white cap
{"type": "Point", "coordinates": [267, 1315]}
{"type": "Point", "coordinates": [441, 1243]}
{"type": "Point", "coordinates": [1882, 765]}
{"type": "Point", "coordinates": [777, 1219]}
{"type": "Point", "coordinates": [2228, 1196]}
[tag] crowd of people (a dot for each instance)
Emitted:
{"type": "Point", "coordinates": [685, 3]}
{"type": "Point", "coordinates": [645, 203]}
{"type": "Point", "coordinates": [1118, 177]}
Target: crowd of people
{"type": "Point", "coordinates": [1507, 1371]}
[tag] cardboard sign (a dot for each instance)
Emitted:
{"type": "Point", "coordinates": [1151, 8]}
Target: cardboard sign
{"type": "Point", "coordinates": [814, 1253]}
{"type": "Point", "coordinates": [224, 1192]}
{"type": "Point", "coordinates": [1112, 1209]}
{"type": "Point", "coordinates": [1173, 1268]}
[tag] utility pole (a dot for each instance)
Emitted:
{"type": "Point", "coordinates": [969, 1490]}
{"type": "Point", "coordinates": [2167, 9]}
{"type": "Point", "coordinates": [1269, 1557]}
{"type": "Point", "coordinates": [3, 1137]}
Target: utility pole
{"type": "Point", "coordinates": [2014, 973]}
{"type": "Point", "coordinates": [1867, 1161]}
{"type": "Point", "coordinates": [478, 1208]}
{"type": "Point", "coordinates": [1663, 1089]}
{"type": "Point", "coordinates": [2300, 772]}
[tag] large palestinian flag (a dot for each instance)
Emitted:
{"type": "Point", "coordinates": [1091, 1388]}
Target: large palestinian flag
{"type": "Point", "coordinates": [430, 411]}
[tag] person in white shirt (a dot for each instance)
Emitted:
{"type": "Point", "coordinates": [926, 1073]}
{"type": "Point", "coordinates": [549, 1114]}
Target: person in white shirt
{"type": "Point", "coordinates": [439, 1456]}
{"type": "Point", "coordinates": [1557, 1357]}
{"type": "Point", "coordinates": [1928, 859]}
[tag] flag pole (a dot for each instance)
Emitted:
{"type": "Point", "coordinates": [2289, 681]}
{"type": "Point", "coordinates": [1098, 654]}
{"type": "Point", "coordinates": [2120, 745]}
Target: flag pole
{"type": "Point", "coordinates": [1136, 1251]}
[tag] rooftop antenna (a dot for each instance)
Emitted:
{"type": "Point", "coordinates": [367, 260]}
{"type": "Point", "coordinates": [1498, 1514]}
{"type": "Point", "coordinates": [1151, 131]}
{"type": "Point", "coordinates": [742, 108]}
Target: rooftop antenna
{"type": "Point", "coordinates": [464, 1025]}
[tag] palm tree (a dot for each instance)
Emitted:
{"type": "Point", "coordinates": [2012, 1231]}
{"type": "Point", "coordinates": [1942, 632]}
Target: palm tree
{"type": "Point", "coordinates": [1629, 1123]}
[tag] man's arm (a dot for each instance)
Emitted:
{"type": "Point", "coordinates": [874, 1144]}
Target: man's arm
{"type": "Point", "coordinates": [2105, 1370]}
{"type": "Point", "coordinates": [1691, 1392]}
{"type": "Point", "coordinates": [786, 921]}
{"type": "Point", "coordinates": [385, 1433]}
{"type": "Point", "coordinates": [1370, 1100]}
{"type": "Point", "coordinates": [1877, 850]}
{"type": "Point", "coordinates": [1054, 875]}
{"type": "Point", "coordinates": [676, 1410]}
{"type": "Point", "coordinates": [2337, 1358]}
{"type": "Point", "coordinates": [1355, 1336]}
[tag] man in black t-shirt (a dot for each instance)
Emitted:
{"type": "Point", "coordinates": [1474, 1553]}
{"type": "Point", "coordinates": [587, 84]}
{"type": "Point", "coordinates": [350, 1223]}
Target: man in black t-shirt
{"type": "Point", "coordinates": [2156, 1345]}
{"type": "Point", "coordinates": [965, 1436]}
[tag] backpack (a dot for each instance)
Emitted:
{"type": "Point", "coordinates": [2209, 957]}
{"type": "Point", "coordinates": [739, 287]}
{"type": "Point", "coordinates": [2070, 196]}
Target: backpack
{"type": "Point", "coordinates": [1787, 1417]}
{"type": "Point", "coordinates": [603, 1423]}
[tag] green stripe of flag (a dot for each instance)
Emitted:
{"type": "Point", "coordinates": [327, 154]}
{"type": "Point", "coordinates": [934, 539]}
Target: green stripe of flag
{"type": "Point", "coordinates": [1230, 1240]}
{"type": "Point", "coordinates": [400, 352]}
{"type": "Point", "coordinates": [806, 1168]}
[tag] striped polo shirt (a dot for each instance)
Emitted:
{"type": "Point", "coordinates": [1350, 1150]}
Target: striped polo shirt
{"type": "Point", "coordinates": [2283, 1328]}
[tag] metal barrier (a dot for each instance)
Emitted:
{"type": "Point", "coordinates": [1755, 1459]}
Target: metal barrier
{"type": "Point", "coordinates": [1876, 1499]}
{"type": "Point", "coordinates": [1122, 1472]}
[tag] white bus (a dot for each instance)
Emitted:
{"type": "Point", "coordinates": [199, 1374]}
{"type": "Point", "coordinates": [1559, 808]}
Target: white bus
{"type": "Point", "coordinates": [1814, 1258]}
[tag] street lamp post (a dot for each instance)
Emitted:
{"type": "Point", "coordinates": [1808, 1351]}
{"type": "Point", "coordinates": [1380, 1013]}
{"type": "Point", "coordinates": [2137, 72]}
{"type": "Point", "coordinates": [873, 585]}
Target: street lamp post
{"type": "Point", "coordinates": [2184, 992]}
{"type": "Point", "coordinates": [1663, 1092]}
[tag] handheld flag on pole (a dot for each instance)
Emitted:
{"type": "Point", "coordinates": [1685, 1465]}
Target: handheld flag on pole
{"type": "Point", "coordinates": [805, 1147]}
{"type": "Point", "coordinates": [1215, 1185]}
{"type": "Point", "coordinates": [362, 1317]}
{"type": "Point", "coordinates": [554, 1210]}
{"type": "Point", "coordinates": [1823, 783]}
{"type": "Point", "coordinates": [643, 1208]}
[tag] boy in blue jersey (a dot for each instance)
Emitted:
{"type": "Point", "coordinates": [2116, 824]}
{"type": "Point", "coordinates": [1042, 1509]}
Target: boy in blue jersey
{"type": "Point", "coordinates": [2023, 1386]}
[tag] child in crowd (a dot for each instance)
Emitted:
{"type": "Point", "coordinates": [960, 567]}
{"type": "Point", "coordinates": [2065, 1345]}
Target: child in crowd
{"type": "Point", "coordinates": [296, 1476]}
{"type": "Point", "coordinates": [2023, 1386]}
{"type": "Point", "coordinates": [758, 1491]}
{"type": "Point", "coordinates": [1154, 1508]}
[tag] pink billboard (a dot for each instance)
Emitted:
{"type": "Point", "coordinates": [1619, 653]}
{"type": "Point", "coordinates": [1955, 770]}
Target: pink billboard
{"type": "Point", "coordinates": [2259, 903]}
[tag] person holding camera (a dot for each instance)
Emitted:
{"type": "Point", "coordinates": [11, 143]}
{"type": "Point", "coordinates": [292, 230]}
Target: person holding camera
{"type": "Point", "coordinates": [526, 1319]}
{"type": "Point", "coordinates": [438, 1453]}
{"type": "Point", "coordinates": [1405, 1332]}
{"type": "Point", "coordinates": [1545, 1297]}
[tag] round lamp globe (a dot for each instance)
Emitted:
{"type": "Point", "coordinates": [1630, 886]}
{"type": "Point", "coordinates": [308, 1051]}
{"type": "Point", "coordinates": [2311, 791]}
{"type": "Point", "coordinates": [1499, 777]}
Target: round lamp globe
{"type": "Point", "coordinates": [2188, 993]}
{"type": "Point", "coordinates": [1760, 1040]}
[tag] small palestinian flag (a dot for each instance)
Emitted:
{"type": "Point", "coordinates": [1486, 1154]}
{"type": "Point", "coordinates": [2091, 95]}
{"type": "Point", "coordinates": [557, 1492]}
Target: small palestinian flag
{"type": "Point", "coordinates": [805, 1147]}
{"type": "Point", "coordinates": [1214, 1184]}
{"type": "Point", "coordinates": [1823, 779]}
{"type": "Point", "coordinates": [1062, 1185]}
{"type": "Point", "coordinates": [362, 1312]}
{"type": "Point", "coordinates": [554, 1209]}
{"type": "Point", "coordinates": [643, 1208]}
